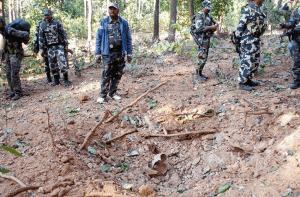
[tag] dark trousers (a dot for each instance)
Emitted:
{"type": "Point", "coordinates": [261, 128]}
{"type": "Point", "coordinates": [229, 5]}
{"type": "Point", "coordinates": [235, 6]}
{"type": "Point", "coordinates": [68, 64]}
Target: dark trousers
{"type": "Point", "coordinates": [112, 73]}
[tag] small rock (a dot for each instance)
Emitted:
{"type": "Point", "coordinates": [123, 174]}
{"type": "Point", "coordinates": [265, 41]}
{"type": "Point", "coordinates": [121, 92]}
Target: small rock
{"type": "Point", "coordinates": [71, 122]}
{"type": "Point", "coordinates": [83, 98]}
{"type": "Point", "coordinates": [146, 190]}
{"type": "Point", "coordinates": [55, 192]}
{"type": "Point", "coordinates": [196, 161]}
{"type": "Point", "coordinates": [64, 191]}
{"type": "Point", "coordinates": [175, 180]}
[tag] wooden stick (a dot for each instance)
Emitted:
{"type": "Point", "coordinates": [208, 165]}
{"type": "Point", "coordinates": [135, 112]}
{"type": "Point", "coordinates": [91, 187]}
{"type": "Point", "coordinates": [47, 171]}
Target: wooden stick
{"type": "Point", "coordinates": [22, 189]}
{"type": "Point", "coordinates": [106, 112]}
{"type": "Point", "coordinates": [134, 102]}
{"type": "Point", "coordinates": [13, 178]}
{"type": "Point", "coordinates": [126, 133]}
{"type": "Point", "coordinates": [181, 134]}
{"type": "Point", "coordinates": [49, 131]}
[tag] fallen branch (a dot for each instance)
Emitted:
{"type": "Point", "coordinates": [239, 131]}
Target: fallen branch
{"type": "Point", "coordinates": [126, 133]}
{"type": "Point", "coordinates": [22, 189]}
{"type": "Point", "coordinates": [13, 178]}
{"type": "Point", "coordinates": [106, 112]}
{"type": "Point", "coordinates": [258, 113]}
{"type": "Point", "coordinates": [180, 134]}
{"type": "Point", "coordinates": [49, 131]}
{"type": "Point", "coordinates": [134, 102]}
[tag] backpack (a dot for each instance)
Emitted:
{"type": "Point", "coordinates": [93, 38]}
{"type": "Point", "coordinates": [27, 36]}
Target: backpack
{"type": "Point", "coordinates": [19, 24]}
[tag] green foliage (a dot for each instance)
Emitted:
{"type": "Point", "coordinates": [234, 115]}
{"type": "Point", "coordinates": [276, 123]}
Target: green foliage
{"type": "Point", "coordinates": [11, 150]}
{"type": "Point", "coordinates": [124, 166]}
{"type": "Point", "coordinates": [3, 170]}
{"type": "Point", "coordinates": [32, 66]}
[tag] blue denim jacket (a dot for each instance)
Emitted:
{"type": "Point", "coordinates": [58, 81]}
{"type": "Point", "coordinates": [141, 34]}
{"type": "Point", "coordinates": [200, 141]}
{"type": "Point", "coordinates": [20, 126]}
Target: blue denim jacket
{"type": "Point", "coordinates": [102, 46]}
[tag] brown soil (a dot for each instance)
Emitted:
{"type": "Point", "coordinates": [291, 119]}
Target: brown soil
{"type": "Point", "coordinates": [258, 153]}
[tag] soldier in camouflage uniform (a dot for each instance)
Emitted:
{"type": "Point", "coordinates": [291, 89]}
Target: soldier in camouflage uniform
{"type": "Point", "coordinates": [36, 50]}
{"type": "Point", "coordinates": [113, 42]}
{"type": "Point", "coordinates": [287, 10]}
{"type": "Point", "coordinates": [16, 33]}
{"type": "Point", "coordinates": [251, 26]}
{"type": "Point", "coordinates": [53, 36]}
{"type": "Point", "coordinates": [205, 25]}
{"type": "Point", "coordinates": [294, 23]}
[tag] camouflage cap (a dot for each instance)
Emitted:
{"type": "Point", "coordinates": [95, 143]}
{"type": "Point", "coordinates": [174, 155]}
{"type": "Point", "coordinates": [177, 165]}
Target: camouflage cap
{"type": "Point", "coordinates": [47, 11]}
{"type": "Point", "coordinates": [114, 4]}
{"type": "Point", "coordinates": [207, 4]}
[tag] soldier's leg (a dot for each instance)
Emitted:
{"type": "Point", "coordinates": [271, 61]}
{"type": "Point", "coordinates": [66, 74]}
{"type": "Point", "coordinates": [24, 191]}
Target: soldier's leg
{"type": "Point", "coordinates": [9, 75]}
{"type": "Point", "coordinates": [117, 73]}
{"type": "Point", "coordinates": [247, 65]}
{"type": "Point", "coordinates": [106, 76]}
{"type": "Point", "coordinates": [253, 70]}
{"type": "Point", "coordinates": [295, 52]}
{"type": "Point", "coordinates": [47, 68]}
{"type": "Point", "coordinates": [201, 59]}
{"type": "Point", "coordinates": [53, 65]}
{"type": "Point", "coordinates": [15, 69]}
{"type": "Point", "coordinates": [61, 58]}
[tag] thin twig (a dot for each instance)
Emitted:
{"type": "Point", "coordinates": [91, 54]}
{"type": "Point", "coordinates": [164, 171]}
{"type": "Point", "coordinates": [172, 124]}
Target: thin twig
{"type": "Point", "coordinates": [49, 131]}
{"type": "Point", "coordinates": [126, 133]}
{"type": "Point", "coordinates": [106, 112]}
{"type": "Point", "coordinates": [180, 134]}
{"type": "Point", "coordinates": [13, 178]}
{"type": "Point", "coordinates": [22, 189]}
{"type": "Point", "coordinates": [134, 102]}
{"type": "Point", "coordinates": [5, 107]}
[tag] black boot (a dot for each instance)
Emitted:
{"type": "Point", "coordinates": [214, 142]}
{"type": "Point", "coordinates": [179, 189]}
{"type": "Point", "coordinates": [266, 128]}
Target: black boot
{"type": "Point", "coordinates": [49, 79]}
{"type": "Point", "coordinates": [12, 94]}
{"type": "Point", "coordinates": [66, 79]}
{"type": "Point", "coordinates": [245, 86]}
{"type": "Point", "coordinates": [296, 82]}
{"type": "Point", "coordinates": [200, 77]}
{"type": "Point", "coordinates": [17, 96]}
{"type": "Point", "coordinates": [252, 83]}
{"type": "Point", "coordinates": [56, 80]}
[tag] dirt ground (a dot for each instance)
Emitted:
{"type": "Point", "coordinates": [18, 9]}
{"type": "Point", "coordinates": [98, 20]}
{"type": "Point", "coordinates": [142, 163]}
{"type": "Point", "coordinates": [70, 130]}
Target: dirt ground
{"type": "Point", "coordinates": [251, 139]}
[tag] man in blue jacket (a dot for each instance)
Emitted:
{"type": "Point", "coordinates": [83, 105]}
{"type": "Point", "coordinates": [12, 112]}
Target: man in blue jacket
{"type": "Point", "coordinates": [113, 42]}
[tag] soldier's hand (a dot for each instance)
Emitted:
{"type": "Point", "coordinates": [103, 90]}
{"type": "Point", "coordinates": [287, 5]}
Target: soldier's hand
{"type": "Point", "coordinates": [43, 54]}
{"type": "Point", "coordinates": [282, 25]}
{"type": "Point", "coordinates": [98, 59]}
{"type": "Point", "coordinates": [129, 58]}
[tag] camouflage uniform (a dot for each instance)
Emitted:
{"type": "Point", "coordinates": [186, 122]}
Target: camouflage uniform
{"type": "Point", "coordinates": [288, 8]}
{"type": "Point", "coordinates": [251, 26]}
{"type": "Point", "coordinates": [295, 46]}
{"type": "Point", "coordinates": [36, 50]}
{"type": "Point", "coordinates": [113, 65]}
{"type": "Point", "coordinates": [203, 33]}
{"type": "Point", "coordinates": [14, 55]}
{"type": "Point", "coordinates": [53, 37]}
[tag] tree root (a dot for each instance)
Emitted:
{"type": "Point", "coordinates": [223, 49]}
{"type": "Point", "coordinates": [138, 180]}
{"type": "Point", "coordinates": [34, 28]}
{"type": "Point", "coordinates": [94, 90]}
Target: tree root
{"type": "Point", "coordinates": [106, 112]}
{"type": "Point", "coordinates": [22, 189]}
{"type": "Point", "coordinates": [12, 178]}
{"type": "Point", "coordinates": [134, 102]}
{"type": "Point", "coordinates": [126, 133]}
{"type": "Point", "coordinates": [180, 134]}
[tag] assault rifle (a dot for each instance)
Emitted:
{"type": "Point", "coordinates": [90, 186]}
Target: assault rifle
{"type": "Point", "coordinates": [237, 44]}
{"type": "Point", "coordinates": [293, 34]}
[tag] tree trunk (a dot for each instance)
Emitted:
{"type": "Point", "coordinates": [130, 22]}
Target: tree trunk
{"type": "Point", "coordinates": [156, 21]}
{"type": "Point", "coordinates": [173, 17]}
{"type": "Point", "coordinates": [191, 10]}
{"type": "Point", "coordinates": [90, 5]}
{"type": "Point", "coordinates": [2, 9]}
{"type": "Point", "coordinates": [85, 8]}
{"type": "Point", "coordinates": [9, 11]}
